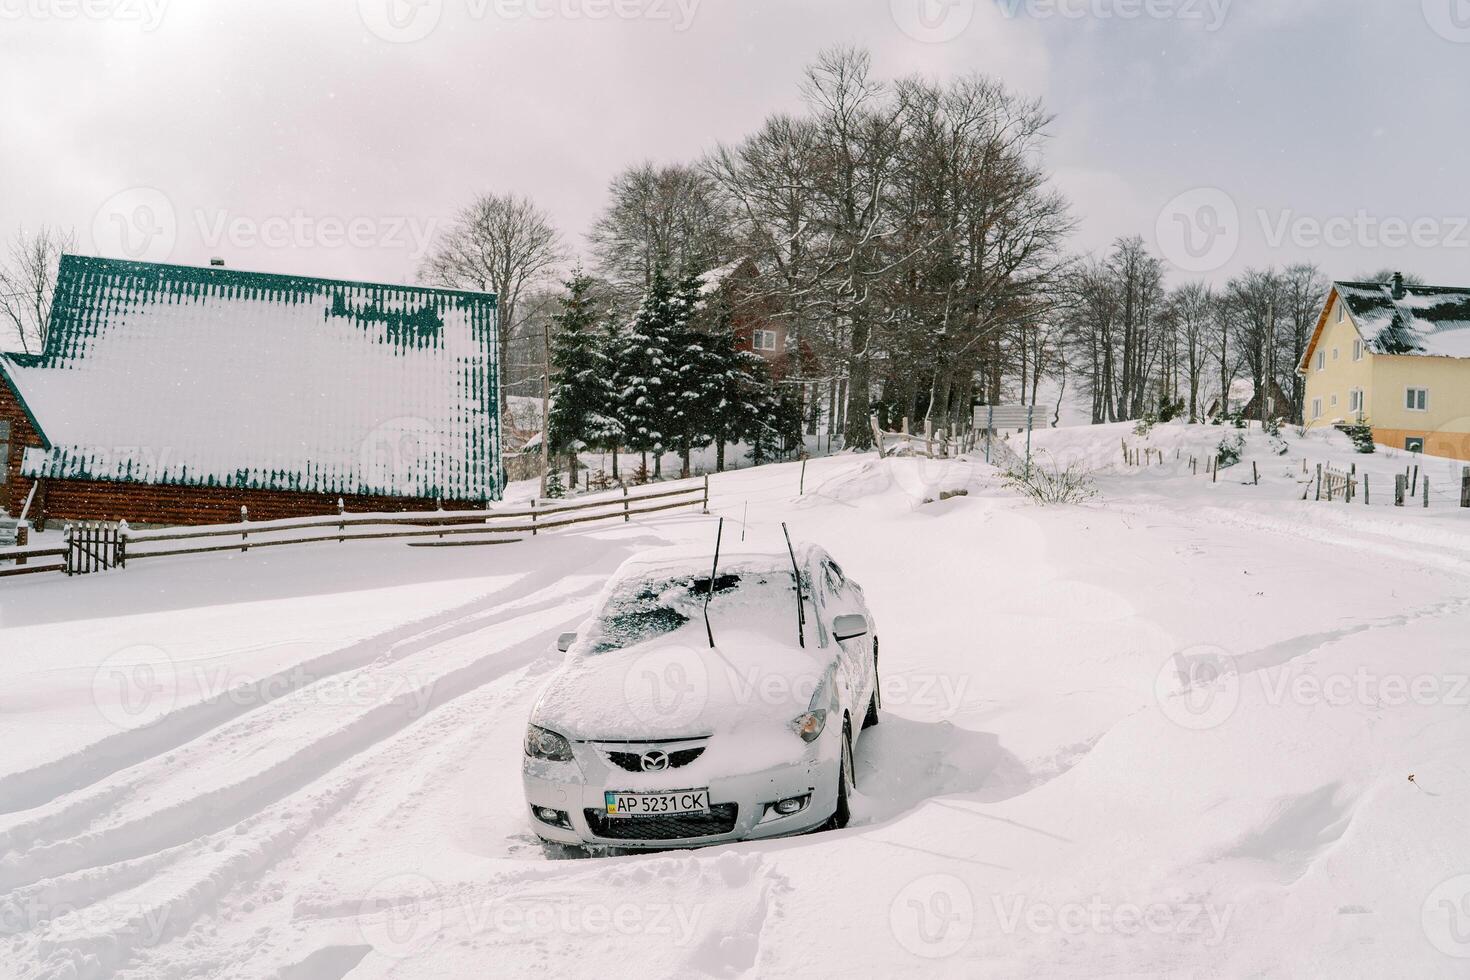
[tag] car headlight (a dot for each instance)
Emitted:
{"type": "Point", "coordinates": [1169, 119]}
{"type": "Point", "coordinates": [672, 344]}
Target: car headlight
{"type": "Point", "coordinates": [810, 725]}
{"type": "Point", "coordinates": [542, 743]}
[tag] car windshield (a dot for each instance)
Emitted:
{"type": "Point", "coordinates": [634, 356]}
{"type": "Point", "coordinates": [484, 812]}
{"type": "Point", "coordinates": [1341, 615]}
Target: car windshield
{"type": "Point", "coordinates": [647, 607]}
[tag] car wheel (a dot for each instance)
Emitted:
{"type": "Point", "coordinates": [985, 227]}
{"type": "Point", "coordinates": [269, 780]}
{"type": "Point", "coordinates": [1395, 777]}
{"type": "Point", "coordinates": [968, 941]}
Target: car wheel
{"type": "Point", "coordinates": [846, 782]}
{"type": "Point", "coordinates": [871, 718]}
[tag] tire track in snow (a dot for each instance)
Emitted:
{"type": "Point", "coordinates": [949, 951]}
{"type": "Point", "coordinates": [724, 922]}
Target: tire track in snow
{"type": "Point", "coordinates": [212, 810]}
{"type": "Point", "coordinates": [42, 784]}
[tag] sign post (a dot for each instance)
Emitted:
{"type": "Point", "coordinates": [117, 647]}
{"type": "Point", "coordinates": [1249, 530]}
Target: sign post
{"type": "Point", "coordinates": [1007, 417]}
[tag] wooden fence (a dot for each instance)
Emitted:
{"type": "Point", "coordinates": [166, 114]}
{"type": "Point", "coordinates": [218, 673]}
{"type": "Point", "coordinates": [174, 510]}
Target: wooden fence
{"type": "Point", "coordinates": [96, 547]}
{"type": "Point", "coordinates": [934, 445]}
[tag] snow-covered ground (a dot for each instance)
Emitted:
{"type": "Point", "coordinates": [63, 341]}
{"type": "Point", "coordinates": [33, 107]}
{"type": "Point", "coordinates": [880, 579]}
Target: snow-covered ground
{"type": "Point", "coordinates": [1189, 728]}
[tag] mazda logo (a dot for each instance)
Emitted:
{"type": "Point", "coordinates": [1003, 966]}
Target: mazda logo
{"type": "Point", "coordinates": [654, 761]}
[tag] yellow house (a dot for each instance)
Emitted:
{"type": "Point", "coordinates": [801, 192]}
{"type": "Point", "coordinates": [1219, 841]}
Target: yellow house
{"type": "Point", "coordinates": [1395, 357]}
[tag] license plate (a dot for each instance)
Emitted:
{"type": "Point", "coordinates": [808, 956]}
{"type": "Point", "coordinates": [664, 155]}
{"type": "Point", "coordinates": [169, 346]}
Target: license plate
{"type": "Point", "coordinates": [656, 804]}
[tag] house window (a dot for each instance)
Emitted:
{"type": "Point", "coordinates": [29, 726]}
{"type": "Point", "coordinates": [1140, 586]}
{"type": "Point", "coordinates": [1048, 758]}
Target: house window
{"type": "Point", "coordinates": [1340, 312]}
{"type": "Point", "coordinates": [1355, 401]}
{"type": "Point", "coordinates": [1321, 361]}
{"type": "Point", "coordinates": [1414, 444]}
{"type": "Point", "coordinates": [1417, 399]}
{"type": "Point", "coordinates": [1316, 408]}
{"type": "Point", "coordinates": [1334, 401]}
{"type": "Point", "coordinates": [1357, 350]}
{"type": "Point", "coordinates": [764, 340]}
{"type": "Point", "coordinates": [1334, 353]}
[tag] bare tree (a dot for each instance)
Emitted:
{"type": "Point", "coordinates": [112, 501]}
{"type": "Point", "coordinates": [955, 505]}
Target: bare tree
{"type": "Point", "coordinates": [502, 244]}
{"type": "Point", "coordinates": [27, 282]}
{"type": "Point", "coordinates": [660, 217]}
{"type": "Point", "coordinates": [1191, 308]}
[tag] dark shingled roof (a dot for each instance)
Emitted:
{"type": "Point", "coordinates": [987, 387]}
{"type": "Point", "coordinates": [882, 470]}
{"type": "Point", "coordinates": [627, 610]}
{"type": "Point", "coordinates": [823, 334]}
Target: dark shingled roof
{"type": "Point", "coordinates": [1429, 320]}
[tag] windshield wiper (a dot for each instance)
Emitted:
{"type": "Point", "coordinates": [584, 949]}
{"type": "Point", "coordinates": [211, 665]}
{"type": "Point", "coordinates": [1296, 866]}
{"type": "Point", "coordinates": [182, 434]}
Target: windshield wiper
{"type": "Point", "coordinates": [713, 574]}
{"type": "Point", "coordinates": [800, 602]}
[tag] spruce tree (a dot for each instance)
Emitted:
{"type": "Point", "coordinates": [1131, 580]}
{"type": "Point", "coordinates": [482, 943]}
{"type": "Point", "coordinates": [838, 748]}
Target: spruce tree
{"type": "Point", "coordinates": [581, 391]}
{"type": "Point", "coordinates": [644, 369]}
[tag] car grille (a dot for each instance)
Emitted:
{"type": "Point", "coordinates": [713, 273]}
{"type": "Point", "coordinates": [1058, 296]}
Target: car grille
{"type": "Point", "coordinates": [633, 761]}
{"type": "Point", "coordinates": [684, 826]}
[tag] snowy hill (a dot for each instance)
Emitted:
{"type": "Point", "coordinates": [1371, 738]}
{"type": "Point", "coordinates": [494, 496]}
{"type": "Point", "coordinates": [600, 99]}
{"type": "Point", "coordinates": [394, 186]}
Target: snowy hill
{"type": "Point", "coordinates": [1170, 731]}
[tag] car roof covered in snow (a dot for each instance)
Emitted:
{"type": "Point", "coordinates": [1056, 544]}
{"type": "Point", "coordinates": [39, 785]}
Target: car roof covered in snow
{"type": "Point", "coordinates": [1427, 320]}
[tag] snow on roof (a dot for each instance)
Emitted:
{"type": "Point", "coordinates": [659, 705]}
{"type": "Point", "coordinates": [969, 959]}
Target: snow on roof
{"type": "Point", "coordinates": [714, 280]}
{"type": "Point", "coordinates": [1429, 320]}
{"type": "Point", "coordinates": [217, 377]}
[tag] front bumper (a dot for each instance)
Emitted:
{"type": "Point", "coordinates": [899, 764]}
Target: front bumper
{"type": "Point", "coordinates": [740, 803]}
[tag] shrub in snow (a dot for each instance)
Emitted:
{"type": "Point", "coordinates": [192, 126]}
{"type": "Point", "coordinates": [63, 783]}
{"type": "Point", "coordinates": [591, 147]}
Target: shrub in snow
{"type": "Point", "coordinates": [1051, 483]}
{"type": "Point", "coordinates": [1227, 454]}
{"type": "Point", "coordinates": [555, 488]}
{"type": "Point", "coordinates": [1171, 410]}
{"type": "Point", "coordinates": [1144, 426]}
{"type": "Point", "coordinates": [1361, 435]}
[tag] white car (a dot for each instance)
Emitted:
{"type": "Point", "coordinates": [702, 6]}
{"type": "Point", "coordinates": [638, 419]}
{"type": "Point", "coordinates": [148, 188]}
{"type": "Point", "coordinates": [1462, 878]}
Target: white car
{"type": "Point", "coordinates": [694, 710]}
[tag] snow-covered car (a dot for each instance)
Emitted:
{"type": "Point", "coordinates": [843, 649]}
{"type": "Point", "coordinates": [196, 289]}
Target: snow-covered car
{"type": "Point", "coordinates": [701, 704]}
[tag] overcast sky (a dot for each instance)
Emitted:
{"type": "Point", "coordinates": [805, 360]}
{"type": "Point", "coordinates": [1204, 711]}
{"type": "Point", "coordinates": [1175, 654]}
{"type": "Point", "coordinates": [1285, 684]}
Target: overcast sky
{"type": "Point", "coordinates": [330, 138]}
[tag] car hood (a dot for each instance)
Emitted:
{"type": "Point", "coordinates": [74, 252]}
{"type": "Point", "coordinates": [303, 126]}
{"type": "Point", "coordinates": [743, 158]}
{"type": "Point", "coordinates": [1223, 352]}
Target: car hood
{"type": "Point", "coordinates": [667, 690]}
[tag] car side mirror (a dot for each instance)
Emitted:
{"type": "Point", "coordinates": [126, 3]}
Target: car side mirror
{"type": "Point", "coordinates": [565, 641]}
{"type": "Point", "coordinates": [849, 626]}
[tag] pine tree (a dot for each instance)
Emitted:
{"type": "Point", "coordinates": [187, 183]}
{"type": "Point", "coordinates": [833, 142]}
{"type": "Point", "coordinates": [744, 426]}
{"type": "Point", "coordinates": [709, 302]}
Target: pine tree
{"type": "Point", "coordinates": [643, 370]}
{"type": "Point", "coordinates": [581, 392]}
{"type": "Point", "coordinates": [693, 392]}
{"type": "Point", "coordinates": [737, 388]}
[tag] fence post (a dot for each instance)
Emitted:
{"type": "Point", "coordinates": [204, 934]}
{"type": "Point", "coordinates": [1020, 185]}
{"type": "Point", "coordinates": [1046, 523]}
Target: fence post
{"type": "Point", "coordinates": [877, 435]}
{"type": "Point", "coordinates": [341, 525]}
{"type": "Point", "coordinates": [1319, 481]}
{"type": "Point", "coordinates": [533, 516]}
{"type": "Point", "coordinates": [801, 488]}
{"type": "Point", "coordinates": [625, 507]}
{"type": "Point", "coordinates": [1255, 474]}
{"type": "Point", "coordinates": [70, 550]}
{"type": "Point", "coordinates": [1399, 482]}
{"type": "Point", "coordinates": [1426, 491]}
{"type": "Point", "coordinates": [1367, 491]}
{"type": "Point", "coordinates": [1415, 489]}
{"type": "Point", "coordinates": [706, 491]}
{"type": "Point", "coordinates": [244, 535]}
{"type": "Point", "coordinates": [22, 534]}
{"type": "Point", "coordinates": [1465, 487]}
{"type": "Point", "coordinates": [929, 437]}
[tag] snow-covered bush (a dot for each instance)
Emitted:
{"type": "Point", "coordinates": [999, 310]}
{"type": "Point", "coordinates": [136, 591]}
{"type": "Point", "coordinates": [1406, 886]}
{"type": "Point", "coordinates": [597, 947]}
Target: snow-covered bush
{"type": "Point", "coordinates": [1361, 435]}
{"type": "Point", "coordinates": [1228, 453]}
{"type": "Point", "coordinates": [1051, 483]}
{"type": "Point", "coordinates": [1144, 426]}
